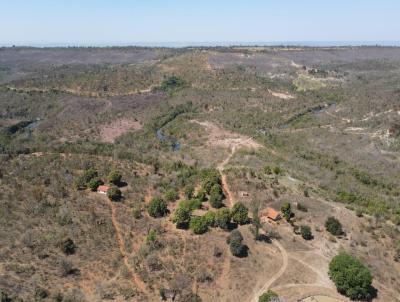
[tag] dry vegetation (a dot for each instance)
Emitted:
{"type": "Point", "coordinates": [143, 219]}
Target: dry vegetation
{"type": "Point", "coordinates": [318, 128]}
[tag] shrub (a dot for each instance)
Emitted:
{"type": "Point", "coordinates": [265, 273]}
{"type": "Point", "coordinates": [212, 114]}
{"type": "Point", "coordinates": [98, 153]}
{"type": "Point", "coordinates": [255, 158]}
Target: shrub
{"type": "Point", "coordinates": [333, 226]}
{"type": "Point", "coordinates": [68, 247]}
{"type": "Point", "coordinates": [114, 177]}
{"type": "Point", "coordinates": [172, 83]}
{"type": "Point", "coordinates": [191, 204]}
{"type": "Point", "coordinates": [181, 216]}
{"type": "Point", "coordinates": [396, 256]}
{"type": "Point", "coordinates": [66, 267]}
{"type": "Point", "coordinates": [152, 241]}
{"type": "Point", "coordinates": [222, 218]}
{"type": "Point", "coordinates": [278, 170]}
{"type": "Point", "coordinates": [114, 193]}
{"type": "Point", "coordinates": [157, 208]}
{"type": "Point", "coordinates": [137, 212]}
{"type": "Point", "coordinates": [4, 297]}
{"type": "Point", "coordinates": [306, 233]}
{"type": "Point", "coordinates": [286, 210]}
{"type": "Point", "coordinates": [268, 296]}
{"type": "Point", "coordinates": [301, 207]}
{"type": "Point", "coordinates": [94, 183]}
{"type": "Point", "coordinates": [235, 235]}
{"type": "Point", "coordinates": [41, 294]}
{"type": "Point", "coordinates": [189, 190]}
{"type": "Point", "coordinates": [240, 213]}
{"type": "Point", "coordinates": [236, 246]}
{"type": "Point", "coordinates": [268, 170]}
{"type": "Point", "coordinates": [171, 195]}
{"type": "Point", "coordinates": [350, 276]}
{"type": "Point", "coordinates": [210, 218]}
{"type": "Point", "coordinates": [198, 224]}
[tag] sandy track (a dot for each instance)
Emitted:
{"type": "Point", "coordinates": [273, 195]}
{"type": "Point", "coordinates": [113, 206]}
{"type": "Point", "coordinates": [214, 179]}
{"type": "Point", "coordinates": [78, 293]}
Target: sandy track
{"type": "Point", "coordinates": [277, 275]}
{"type": "Point", "coordinates": [225, 186]}
{"type": "Point", "coordinates": [136, 281]}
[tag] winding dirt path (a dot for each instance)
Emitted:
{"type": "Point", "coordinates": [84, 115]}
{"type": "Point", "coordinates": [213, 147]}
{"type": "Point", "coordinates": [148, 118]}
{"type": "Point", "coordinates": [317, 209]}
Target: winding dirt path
{"type": "Point", "coordinates": [136, 281]}
{"type": "Point", "coordinates": [225, 186]}
{"type": "Point", "coordinates": [277, 275]}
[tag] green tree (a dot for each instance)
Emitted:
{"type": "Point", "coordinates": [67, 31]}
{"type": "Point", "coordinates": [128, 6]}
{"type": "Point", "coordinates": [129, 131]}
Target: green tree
{"type": "Point", "coordinates": [172, 83]}
{"type": "Point", "coordinates": [181, 216]}
{"type": "Point", "coordinates": [198, 224]}
{"type": "Point", "coordinates": [157, 207]}
{"type": "Point", "coordinates": [114, 193]}
{"type": "Point", "coordinates": [114, 177]}
{"type": "Point", "coordinates": [268, 296]}
{"type": "Point", "coordinates": [333, 226]}
{"type": "Point", "coordinates": [210, 218]}
{"type": "Point", "coordinates": [286, 210]}
{"type": "Point", "coordinates": [94, 183]}
{"type": "Point", "coordinates": [80, 183]}
{"type": "Point", "coordinates": [222, 218]}
{"type": "Point", "coordinates": [171, 195]}
{"type": "Point", "coordinates": [210, 177]}
{"type": "Point", "coordinates": [88, 174]}
{"type": "Point", "coordinates": [306, 233]}
{"type": "Point", "coordinates": [201, 195]}
{"type": "Point", "coordinates": [239, 213]}
{"type": "Point", "coordinates": [83, 181]}
{"type": "Point", "coordinates": [216, 196]}
{"type": "Point", "coordinates": [351, 277]}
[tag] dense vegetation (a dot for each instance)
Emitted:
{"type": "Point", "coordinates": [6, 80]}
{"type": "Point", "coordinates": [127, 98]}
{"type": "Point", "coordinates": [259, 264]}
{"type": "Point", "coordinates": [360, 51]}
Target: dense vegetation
{"type": "Point", "coordinates": [351, 277]}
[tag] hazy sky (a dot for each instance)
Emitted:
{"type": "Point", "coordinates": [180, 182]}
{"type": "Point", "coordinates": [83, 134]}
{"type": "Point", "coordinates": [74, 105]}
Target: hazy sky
{"type": "Point", "coordinates": [113, 21]}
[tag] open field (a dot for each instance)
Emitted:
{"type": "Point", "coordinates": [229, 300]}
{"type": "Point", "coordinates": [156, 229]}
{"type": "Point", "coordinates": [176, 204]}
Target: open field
{"type": "Point", "coordinates": [316, 127]}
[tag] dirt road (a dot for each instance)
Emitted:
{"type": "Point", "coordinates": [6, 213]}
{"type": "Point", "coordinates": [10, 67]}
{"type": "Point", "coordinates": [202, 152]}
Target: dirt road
{"type": "Point", "coordinates": [136, 281]}
{"type": "Point", "coordinates": [278, 274]}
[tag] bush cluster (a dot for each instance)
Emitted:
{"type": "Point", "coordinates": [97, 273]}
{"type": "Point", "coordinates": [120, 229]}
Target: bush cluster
{"type": "Point", "coordinates": [157, 207]}
{"type": "Point", "coordinates": [333, 226]}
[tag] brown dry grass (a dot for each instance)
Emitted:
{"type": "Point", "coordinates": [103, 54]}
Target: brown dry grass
{"type": "Point", "coordinates": [109, 132]}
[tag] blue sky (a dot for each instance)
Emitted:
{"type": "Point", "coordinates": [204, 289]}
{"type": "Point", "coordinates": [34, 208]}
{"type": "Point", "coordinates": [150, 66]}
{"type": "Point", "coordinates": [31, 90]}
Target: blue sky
{"type": "Point", "coordinates": [122, 21]}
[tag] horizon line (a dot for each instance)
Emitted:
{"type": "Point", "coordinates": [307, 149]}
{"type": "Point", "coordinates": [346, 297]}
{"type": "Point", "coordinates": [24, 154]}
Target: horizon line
{"type": "Point", "coordinates": [182, 44]}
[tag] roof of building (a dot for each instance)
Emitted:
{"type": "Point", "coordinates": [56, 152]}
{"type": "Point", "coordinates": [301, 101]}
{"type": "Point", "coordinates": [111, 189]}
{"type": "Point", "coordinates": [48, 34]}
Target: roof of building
{"type": "Point", "coordinates": [103, 188]}
{"type": "Point", "coordinates": [271, 213]}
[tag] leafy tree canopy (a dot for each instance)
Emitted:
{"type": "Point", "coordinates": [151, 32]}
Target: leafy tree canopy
{"type": "Point", "coordinates": [240, 213]}
{"type": "Point", "coordinates": [350, 276]}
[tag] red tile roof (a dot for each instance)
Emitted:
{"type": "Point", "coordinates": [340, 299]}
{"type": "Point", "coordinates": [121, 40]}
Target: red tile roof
{"type": "Point", "coordinates": [273, 214]}
{"type": "Point", "coordinates": [103, 188]}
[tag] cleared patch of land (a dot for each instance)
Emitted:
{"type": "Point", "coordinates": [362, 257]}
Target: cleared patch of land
{"type": "Point", "coordinates": [110, 132]}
